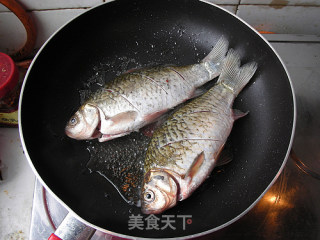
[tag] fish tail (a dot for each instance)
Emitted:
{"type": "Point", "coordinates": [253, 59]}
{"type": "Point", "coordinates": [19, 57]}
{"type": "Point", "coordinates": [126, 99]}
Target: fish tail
{"type": "Point", "coordinates": [218, 53]}
{"type": "Point", "coordinates": [234, 77]}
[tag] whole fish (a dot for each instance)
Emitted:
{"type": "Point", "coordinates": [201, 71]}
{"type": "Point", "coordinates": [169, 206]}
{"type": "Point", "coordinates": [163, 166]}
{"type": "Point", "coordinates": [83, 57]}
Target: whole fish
{"type": "Point", "coordinates": [137, 98]}
{"type": "Point", "coordinates": [185, 149]}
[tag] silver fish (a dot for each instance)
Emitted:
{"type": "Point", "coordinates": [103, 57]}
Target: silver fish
{"type": "Point", "coordinates": [137, 98]}
{"type": "Point", "coordinates": [185, 149]}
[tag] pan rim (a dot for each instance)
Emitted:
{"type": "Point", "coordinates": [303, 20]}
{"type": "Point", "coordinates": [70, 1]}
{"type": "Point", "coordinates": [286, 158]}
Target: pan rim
{"type": "Point", "coordinates": [132, 237]}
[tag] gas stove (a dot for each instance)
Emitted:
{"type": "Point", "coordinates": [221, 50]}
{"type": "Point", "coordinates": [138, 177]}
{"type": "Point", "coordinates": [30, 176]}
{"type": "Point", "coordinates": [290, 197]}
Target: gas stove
{"type": "Point", "coordinates": [290, 209]}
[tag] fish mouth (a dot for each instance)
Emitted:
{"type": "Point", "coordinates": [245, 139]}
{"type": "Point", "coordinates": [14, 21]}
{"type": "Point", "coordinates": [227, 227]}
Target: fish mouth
{"type": "Point", "coordinates": [95, 134]}
{"type": "Point", "coordinates": [68, 132]}
{"type": "Point", "coordinates": [107, 137]}
{"type": "Point", "coordinates": [147, 209]}
{"type": "Point", "coordinates": [151, 211]}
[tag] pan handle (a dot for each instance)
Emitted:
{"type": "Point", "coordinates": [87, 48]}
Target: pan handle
{"type": "Point", "coordinates": [72, 229]}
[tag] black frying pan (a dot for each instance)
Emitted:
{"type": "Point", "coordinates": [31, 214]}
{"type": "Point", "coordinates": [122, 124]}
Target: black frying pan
{"type": "Point", "coordinates": [124, 34]}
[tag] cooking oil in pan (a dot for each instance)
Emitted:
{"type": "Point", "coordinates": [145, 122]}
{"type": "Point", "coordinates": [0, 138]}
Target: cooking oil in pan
{"type": "Point", "coordinates": [121, 162]}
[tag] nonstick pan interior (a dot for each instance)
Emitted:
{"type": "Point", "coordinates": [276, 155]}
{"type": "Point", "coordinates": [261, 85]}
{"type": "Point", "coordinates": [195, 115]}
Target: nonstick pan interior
{"type": "Point", "coordinates": [126, 34]}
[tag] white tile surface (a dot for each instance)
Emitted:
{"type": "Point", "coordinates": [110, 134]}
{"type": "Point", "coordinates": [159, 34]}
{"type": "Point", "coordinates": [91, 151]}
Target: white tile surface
{"type": "Point", "coordinates": [288, 20]}
{"type": "Point", "coordinates": [282, 2]}
{"type": "Point", "coordinates": [292, 38]}
{"type": "Point", "coordinates": [302, 61]}
{"type": "Point", "coordinates": [16, 190]}
{"type": "Point", "coordinates": [55, 4]}
{"type": "Point", "coordinates": [47, 22]}
{"type": "Point", "coordinates": [13, 35]}
{"type": "Point", "coordinates": [3, 8]}
{"type": "Point", "coordinates": [299, 56]}
{"type": "Point", "coordinates": [230, 8]}
{"type": "Point", "coordinates": [279, 19]}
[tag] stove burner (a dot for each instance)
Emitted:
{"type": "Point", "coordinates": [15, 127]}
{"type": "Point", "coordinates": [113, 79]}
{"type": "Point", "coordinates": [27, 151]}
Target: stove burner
{"type": "Point", "coordinates": [48, 213]}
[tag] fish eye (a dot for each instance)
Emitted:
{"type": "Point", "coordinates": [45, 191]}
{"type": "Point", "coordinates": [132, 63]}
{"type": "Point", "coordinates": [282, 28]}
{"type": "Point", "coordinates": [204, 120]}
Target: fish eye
{"type": "Point", "coordinates": [73, 121]}
{"type": "Point", "coordinates": [149, 196]}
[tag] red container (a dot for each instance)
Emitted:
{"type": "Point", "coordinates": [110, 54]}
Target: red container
{"type": "Point", "coordinates": [9, 91]}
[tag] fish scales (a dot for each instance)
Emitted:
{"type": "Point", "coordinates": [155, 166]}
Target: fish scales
{"type": "Point", "coordinates": [149, 89]}
{"type": "Point", "coordinates": [192, 130]}
{"type": "Point", "coordinates": [185, 149]}
{"type": "Point", "coordinates": [136, 98]}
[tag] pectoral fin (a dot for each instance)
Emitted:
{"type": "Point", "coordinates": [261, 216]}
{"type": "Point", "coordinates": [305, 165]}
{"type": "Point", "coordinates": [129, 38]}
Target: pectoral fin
{"type": "Point", "coordinates": [238, 114]}
{"type": "Point", "coordinates": [131, 70]}
{"type": "Point", "coordinates": [156, 121]}
{"type": "Point", "coordinates": [198, 161]}
{"type": "Point", "coordinates": [118, 125]}
{"type": "Point", "coordinates": [225, 155]}
{"type": "Point", "coordinates": [198, 92]}
{"type": "Point", "coordinates": [153, 116]}
{"type": "Point", "coordinates": [224, 158]}
{"type": "Point", "coordinates": [124, 118]}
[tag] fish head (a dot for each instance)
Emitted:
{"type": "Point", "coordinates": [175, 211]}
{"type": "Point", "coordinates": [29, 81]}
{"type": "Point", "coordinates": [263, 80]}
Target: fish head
{"type": "Point", "coordinates": [159, 192]}
{"type": "Point", "coordinates": [83, 124]}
